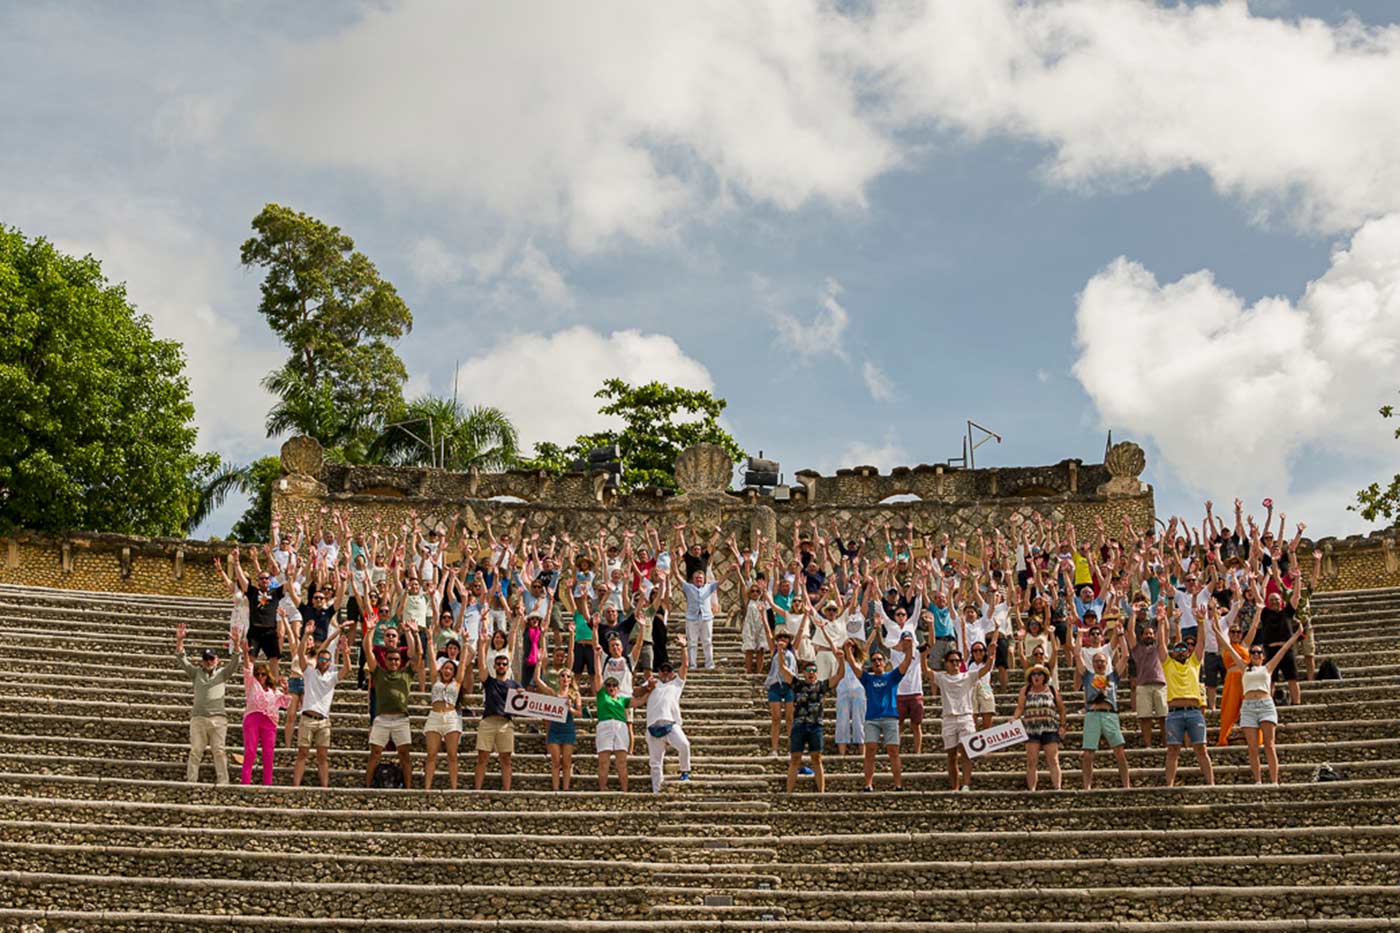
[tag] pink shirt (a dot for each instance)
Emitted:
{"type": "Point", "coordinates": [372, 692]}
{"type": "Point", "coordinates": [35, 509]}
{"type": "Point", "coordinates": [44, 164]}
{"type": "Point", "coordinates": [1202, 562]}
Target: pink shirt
{"type": "Point", "coordinates": [259, 699]}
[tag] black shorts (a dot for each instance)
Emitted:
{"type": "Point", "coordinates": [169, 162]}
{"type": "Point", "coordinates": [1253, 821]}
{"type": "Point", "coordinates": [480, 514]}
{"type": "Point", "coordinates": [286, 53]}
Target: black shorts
{"type": "Point", "coordinates": [264, 641]}
{"type": "Point", "coordinates": [584, 659]}
{"type": "Point", "coordinates": [1287, 665]}
{"type": "Point", "coordinates": [1003, 659]}
{"type": "Point", "coordinates": [1213, 671]}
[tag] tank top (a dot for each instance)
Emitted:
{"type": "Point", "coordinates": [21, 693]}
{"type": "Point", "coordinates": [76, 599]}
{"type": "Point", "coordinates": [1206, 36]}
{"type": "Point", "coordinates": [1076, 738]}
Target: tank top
{"type": "Point", "coordinates": [1256, 678]}
{"type": "Point", "coordinates": [1040, 714]}
{"type": "Point", "coordinates": [446, 692]}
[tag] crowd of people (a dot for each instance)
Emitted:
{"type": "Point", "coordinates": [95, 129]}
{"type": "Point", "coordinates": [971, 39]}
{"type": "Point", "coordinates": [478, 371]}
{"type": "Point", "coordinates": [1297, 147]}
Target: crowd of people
{"type": "Point", "coordinates": [1164, 626]}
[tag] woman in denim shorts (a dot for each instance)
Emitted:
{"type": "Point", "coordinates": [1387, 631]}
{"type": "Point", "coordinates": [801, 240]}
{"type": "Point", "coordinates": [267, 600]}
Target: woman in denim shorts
{"type": "Point", "coordinates": [1258, 716]}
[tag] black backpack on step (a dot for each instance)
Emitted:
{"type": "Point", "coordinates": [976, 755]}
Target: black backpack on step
{"type": "Point", "coordinates": [387, 775]}
{"type": "Point", "coordinates": [1328, 670]}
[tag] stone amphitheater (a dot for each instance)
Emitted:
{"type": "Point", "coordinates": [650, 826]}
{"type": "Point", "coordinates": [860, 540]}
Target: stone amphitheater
{"type": "Point", "coordinates": [100, 832]}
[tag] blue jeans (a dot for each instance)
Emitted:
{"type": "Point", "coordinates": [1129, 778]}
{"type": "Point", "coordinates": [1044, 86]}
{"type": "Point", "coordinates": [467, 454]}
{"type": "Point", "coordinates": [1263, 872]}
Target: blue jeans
{"type": "Point", "coordinates": [1186, 723]}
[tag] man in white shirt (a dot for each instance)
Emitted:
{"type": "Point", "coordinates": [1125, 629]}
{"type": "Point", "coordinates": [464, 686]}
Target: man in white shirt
{"type": "Point", "coordinates": [909, 695]}
{"type": "Point", "coordinates": [956, 687]}
{"type": "Point", "coordinates": [662, 691]}
{"type": "Point", "coordinates": [700, 616]}
{"type": "Point", "coordinates": [314, 720]}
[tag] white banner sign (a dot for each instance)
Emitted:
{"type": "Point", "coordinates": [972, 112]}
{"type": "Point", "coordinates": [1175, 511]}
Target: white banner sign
{"type": "Point", "coordinates": [538, 705]}
{"type": "Point", "coordinates": [994, 739]}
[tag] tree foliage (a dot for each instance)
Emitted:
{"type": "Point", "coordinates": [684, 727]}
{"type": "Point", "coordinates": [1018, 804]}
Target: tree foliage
{"type": "Point", "coordinates": [435, 430]}
{"type": "Point", "coordinates": [1373, 502]}
{"type": "Point", "coordinates": [337, 316]}
{"type": "Point", "coordinates": [659, 422]}
{"type": "Point", "coordinates": [256, 522]}
{"type": "Point", "coordinates": [98, 429]}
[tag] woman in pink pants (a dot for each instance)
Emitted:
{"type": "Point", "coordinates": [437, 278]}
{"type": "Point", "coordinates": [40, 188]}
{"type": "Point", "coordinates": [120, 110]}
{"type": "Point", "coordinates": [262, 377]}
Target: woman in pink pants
{"type": "Point", "coordinates": [263, 700]}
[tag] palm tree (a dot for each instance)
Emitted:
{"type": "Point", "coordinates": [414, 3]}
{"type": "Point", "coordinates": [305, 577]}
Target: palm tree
{"type": "Point", "coordinates": [315, 412]}
{"type": "Point", "coordinates": [434, 430]}
{"type": "Point", "coordinates": [214, 490]}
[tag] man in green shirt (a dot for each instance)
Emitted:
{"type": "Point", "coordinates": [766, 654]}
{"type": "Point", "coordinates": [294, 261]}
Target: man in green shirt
{"type": "Point", "coordinates": [208, 724]}
{"type": "Point", "coordinates": [392, 681]}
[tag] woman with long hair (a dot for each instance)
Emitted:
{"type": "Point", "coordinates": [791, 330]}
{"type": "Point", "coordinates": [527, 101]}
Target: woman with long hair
{"type": "Point", "coordinates": [443, 730]}
{"type": "Point", "coordinates": [561, 738]}
{"type": "Point", "coordinates": [1258, 715]}
{"type": "Point", "coordinates": [264, 699]}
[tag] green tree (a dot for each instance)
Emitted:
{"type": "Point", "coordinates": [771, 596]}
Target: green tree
{"type": "Point", "coordinates": [460, 437]}
{"type": "Point", "coordinates": [659, 423]}
{"type": "Point", "coordinates": [1373, 502]}
{"type": "Point", "coordinates": [98, 431]}
{"type": "Point", "coordinates": [337, 316]}
{"type": "Point", "coordinates": [256, 522]}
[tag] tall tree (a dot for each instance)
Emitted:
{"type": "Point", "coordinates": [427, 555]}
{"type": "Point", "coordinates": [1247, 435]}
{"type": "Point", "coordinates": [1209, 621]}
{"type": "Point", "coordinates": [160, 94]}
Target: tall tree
{"type": "Point", "coordinates": [337, 316]}
{"type": "Point", "coordinates": [432, 429]}
{"type": "Point", "coordinates": [98, 431]}
{"type": "Point", "coordinates": [659, 423]}
{"type": "Point", "coordinates": [256, 521]}
{"type": "Point", "coordinates": [1373, 502]}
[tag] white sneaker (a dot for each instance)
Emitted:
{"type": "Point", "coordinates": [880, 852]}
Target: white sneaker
{"type": "Point", "coordinates": [965, 787]}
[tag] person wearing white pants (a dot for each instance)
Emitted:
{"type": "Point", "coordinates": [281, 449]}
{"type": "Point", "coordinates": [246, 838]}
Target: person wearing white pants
{"type": "Point", "coordinates": [662, 691]}
{"type": "Point", "coordinates": [700, 616]}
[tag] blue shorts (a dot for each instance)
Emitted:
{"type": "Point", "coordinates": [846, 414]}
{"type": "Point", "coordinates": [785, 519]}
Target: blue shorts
{"type": "Point", "coordinates": [805, 737]}
{"type": "Point", "coordinates": [882, 731]}
{"type": "Point", "coordinates": [1186, 725]}
{"type": "Point", "coordinates": [780, 693]}
{"type": "Point", "coordinates": [296, 686]}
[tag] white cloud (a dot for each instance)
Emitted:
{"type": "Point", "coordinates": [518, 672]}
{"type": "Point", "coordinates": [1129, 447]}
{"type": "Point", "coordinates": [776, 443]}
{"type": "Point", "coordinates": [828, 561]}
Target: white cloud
{"type": "Point", "coordinates": [886, 455]}
{"type": "Point", "coordinates": [535, 272]}
{"type": "Point", "coordinates": [824, 333]}
{"type": "Point", "coordinates": [1274, 111]}
{"type": "Point", "coordinates": [877, 383]}
{"type": "Point", "coordinates": [432, 263]}
{"type": "Point", "coordinates": [592, 121]}
{"type": "Point", "coordinates": [545, 382]}
{"type": "Point", "coordinates": [1229, 393]}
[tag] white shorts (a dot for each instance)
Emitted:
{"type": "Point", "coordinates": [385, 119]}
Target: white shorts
{"type": "Point", "coordinates": [443, 723]}
{"type": "Point", "coordinates": [983, 699]}
{"type": "Point", "coordinates": [385, 728]}
{"type": "Point", "coordinates": [954, 728]}
{"type": "Point", "coordinates": [612, 736]}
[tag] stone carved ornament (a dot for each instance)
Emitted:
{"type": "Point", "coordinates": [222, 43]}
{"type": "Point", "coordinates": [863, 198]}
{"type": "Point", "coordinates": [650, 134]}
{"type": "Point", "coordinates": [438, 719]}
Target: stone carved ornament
{"type": "Point", "coordinates": [1125, 462]}
{"type": "Point", "coordinates": [704, 469]}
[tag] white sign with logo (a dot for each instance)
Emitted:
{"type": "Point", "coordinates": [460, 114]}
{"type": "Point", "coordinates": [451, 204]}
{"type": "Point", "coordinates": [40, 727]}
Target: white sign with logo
{"type": "Point", "coordinates": [536, 705]}
{"type": "Point", "coordinates": [994, 739]}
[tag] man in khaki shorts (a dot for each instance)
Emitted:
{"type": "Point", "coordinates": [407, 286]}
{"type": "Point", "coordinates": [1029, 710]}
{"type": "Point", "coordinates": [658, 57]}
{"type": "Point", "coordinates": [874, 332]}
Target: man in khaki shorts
{"type": "Point", "coordinates": [314, 720]}
{"type": "Point", "coordinates": [1150, 683]}
{"type": "Point", "coordinates": [496, 732]}
{"type": "Point", "coordinates": [392, 683]}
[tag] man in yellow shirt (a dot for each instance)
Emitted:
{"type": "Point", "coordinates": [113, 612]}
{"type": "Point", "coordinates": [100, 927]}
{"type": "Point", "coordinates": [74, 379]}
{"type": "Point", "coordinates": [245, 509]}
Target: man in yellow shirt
{"type": "Point", "coordinates": [1185, 721]}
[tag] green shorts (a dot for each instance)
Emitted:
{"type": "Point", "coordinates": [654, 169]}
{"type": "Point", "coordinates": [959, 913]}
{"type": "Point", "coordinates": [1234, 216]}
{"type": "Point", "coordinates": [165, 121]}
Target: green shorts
{"type": "Point", "coordinates": [1098, 724]}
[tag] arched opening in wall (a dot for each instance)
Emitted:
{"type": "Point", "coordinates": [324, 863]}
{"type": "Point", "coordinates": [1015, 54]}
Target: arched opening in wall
{"type": "Point", "coordinates": [1034, 492]}
{"type": "Point", "coordinates": [902, 497]}
{"type": "Point", "coordinates": [510, 500]}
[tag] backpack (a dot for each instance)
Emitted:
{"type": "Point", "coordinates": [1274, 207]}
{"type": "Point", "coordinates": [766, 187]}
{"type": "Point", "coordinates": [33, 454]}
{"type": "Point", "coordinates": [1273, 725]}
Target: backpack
{"type": "Point", "coordinates": [387, 775]}
{"type": "Point", "coordinates": [1325, 773]}
{"type": "Point", "coordinates": [1328, 670]}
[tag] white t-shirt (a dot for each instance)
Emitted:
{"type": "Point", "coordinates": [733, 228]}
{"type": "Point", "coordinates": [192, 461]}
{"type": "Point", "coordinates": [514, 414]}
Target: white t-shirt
{"type": "Point", "coordinates": [912, 683]}
{"type": "Point", "coordinates": [664, 702]}
{"type": "Point", "coordinates": [319, 690]}
{"type": "Point", "coordinates": [955, 691]}
{"type": "Point", "coordinates": [978, 630]}
{"type": "Point", "coordinates": [1192, 609]}
{"type": "Point", "coordinates": [619, 668]}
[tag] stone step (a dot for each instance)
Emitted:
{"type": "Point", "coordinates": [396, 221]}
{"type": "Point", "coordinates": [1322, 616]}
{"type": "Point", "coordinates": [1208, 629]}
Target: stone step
{"type": "Point", "coordinates": [702, 780]}
{"type": "Point", "coordinates": [751, 807]}
{"type": "Point", "coordinates": [138, 861]}
{"type": "Point", "coordinates": [1177, 810]}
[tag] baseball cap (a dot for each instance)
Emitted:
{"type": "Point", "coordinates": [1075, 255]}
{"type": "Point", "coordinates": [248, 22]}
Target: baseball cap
{"type": "Point", "coordinates": [210, 654]}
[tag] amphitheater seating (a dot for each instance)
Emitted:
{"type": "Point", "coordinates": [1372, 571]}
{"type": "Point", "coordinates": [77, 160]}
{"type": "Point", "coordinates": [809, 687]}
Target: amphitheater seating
{"type": "Point", "coordinates": [100, 832]}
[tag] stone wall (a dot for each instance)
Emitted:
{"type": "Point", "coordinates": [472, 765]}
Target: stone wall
{"type": "Point", "coordinates": [1358, 562]}
{"type": "Point", "coordinates": [112, 563]}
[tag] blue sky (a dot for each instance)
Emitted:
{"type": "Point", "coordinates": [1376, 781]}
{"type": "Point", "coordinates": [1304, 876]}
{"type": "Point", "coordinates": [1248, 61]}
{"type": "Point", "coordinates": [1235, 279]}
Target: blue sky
{"type": "Point", "coordinates": [861, 228]}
